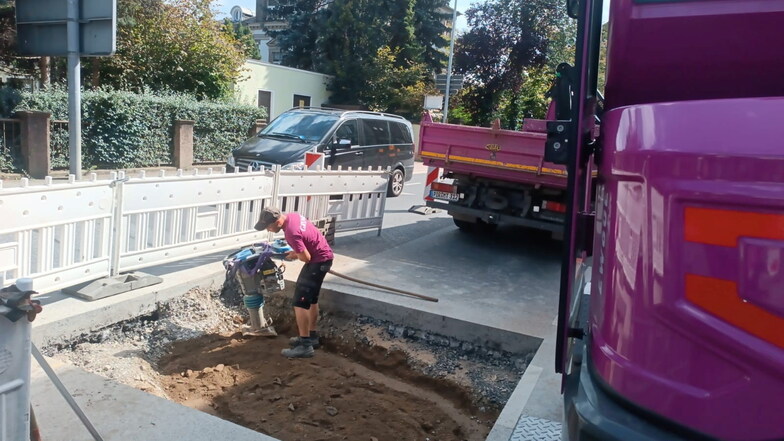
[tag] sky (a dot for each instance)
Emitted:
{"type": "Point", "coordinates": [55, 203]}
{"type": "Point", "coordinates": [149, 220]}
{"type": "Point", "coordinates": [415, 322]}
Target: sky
{"type": "Point", "coordinates": [224, 6]}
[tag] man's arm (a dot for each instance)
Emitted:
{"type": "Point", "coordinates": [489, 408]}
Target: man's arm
{"type": "Point", "coordinates": [303, 256]}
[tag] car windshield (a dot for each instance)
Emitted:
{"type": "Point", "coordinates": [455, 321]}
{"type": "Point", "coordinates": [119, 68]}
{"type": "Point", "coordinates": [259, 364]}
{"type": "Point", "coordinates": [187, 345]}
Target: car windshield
{"type": "Point", "coordinates": [308, 127]}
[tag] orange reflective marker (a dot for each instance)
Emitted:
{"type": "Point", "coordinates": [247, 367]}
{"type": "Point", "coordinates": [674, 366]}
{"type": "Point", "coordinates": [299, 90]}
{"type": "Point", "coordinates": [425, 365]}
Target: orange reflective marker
{"type": "Point", "coordinates": [720, 297]}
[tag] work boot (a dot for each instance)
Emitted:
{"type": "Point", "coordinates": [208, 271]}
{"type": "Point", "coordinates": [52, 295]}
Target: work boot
{"type": "Point", "coordinates": [297, 341]}
{"type": "Point", "coordinates": [299, 351]}
{"type": "Point", "coordinates": [249, 331]}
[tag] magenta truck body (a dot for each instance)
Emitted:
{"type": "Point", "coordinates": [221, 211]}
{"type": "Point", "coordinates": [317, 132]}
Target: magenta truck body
{"type": "Point", "coordinates": [682, 334]}
{"type": "Point", "coordinates": [500, 175]}
{"type": "Point", "coordinates": [505, 155]}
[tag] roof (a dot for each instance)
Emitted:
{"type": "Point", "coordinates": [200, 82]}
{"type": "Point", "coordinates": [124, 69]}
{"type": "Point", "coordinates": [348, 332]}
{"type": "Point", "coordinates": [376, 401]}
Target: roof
{"type": "Point", "coordinates": [347, 112]}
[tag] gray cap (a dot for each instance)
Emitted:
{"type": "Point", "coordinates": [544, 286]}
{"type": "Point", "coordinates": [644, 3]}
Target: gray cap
{"type": "Point", "coordinates": [268, 216]}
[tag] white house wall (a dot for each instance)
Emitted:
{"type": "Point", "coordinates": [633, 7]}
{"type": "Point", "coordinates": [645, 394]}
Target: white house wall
{"type": "Point", "coordinates": [284, 83]}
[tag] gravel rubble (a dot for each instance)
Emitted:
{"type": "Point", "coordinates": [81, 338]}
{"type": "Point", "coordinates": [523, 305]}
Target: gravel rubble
{"type": "Point", "coordinates": [127, 352]}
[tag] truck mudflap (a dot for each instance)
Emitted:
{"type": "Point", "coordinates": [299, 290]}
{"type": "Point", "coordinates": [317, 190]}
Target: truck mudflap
{"type": "Point", "coordinates": [495, 218]}
{"type": "Point", "coordinates": [593, 413]}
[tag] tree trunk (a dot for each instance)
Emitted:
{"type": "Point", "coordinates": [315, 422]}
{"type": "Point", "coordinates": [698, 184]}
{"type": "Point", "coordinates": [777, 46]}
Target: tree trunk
{"type": "Point", "coordinates": [96, 80]}
{"type": "Point", "coordinates": [43, 66]}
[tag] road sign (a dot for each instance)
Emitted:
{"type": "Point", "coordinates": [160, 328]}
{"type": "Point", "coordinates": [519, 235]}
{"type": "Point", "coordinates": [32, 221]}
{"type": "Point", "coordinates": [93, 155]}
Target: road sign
{"type": "Point", "coordinates": [314, 161]}
{"type": "Point", "coordinates": [434, 101]}
{"type": "Point", "coordinates": [41, 27]}
{"type": "Point", "coordinates": [455, 83]}
{"type": "Point", "coordinates": [72, 28]}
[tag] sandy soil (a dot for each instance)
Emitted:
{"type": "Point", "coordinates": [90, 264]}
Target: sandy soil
{"type": "Point", "coordinates": [371, 380]}
{"type": "Point", "coordinates": [327, 397]}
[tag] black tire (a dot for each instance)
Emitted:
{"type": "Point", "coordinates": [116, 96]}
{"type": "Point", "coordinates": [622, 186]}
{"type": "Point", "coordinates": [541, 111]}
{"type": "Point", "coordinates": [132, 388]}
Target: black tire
{"type": "Point", "coordinates": [478, 227]}
{"type": "Point", "coordinates": [464, 226]}
{"type": "Point", "coordinates": [395, 186]}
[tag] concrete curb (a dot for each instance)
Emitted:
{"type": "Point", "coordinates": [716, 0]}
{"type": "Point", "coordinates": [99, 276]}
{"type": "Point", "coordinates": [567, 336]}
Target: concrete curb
{"type": "Point", "coordinates": [69, 317]}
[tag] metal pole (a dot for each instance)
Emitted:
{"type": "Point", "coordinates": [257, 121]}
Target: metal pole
{"type": "Point", "coordinates": [74, 91]}
{"type": "Point", "coordinates": [449, 65]}
{"type": "Point", "coordinates": [64, 392]}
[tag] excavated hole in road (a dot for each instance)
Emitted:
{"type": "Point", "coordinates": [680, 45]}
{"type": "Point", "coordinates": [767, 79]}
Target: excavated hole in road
{"type": "Point", "coordinates": [371, 379]}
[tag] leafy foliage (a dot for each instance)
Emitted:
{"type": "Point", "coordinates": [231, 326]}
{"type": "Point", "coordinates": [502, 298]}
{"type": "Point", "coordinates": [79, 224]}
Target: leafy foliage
{"type": "Point", "coordinates": [6, 158]}
{"type": "Point", "coordinates": [429, 30]}
{"type": "Point", "coordinates": [123, 129]}
{"type": "Point", "coordinates": [508, 56]}
{"type": "Point", "coordinates": [398, 89]}
{"type": "Point", "coordinates": [242, 33]}
{"type": "Point", "coordinates": [9, 98]}
{"type": "Point", "coordinates": [352, 41]}
{"type": "Point", "coordinates": [9, 58]}
{"type": "Point", "coordinates": [172, 45]}
{"type": "Point", "coordinates": [299, 41]}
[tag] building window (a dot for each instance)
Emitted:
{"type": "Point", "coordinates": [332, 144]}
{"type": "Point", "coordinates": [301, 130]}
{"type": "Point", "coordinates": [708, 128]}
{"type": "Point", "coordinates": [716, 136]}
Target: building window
{"type": "Point", "coordinates": [301, 100]}
{"type": "Point", "coordinates": [265, 102]}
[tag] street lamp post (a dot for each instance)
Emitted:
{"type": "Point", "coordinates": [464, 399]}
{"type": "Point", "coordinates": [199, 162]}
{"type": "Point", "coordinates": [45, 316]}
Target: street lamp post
{"type": "Point", "coordinates": [449, 64]}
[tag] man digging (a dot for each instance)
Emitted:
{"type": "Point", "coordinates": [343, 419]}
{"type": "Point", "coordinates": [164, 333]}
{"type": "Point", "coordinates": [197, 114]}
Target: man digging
{"type": "Point", "coordinates": [309, 246]}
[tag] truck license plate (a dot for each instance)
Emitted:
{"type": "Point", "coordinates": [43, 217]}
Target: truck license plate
{"type": "Point", "coordinates": [444, 195]}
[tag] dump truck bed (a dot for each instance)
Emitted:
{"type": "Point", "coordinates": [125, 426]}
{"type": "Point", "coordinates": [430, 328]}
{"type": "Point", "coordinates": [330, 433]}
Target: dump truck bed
{"type": "Point", "coordinates": [490, 152]}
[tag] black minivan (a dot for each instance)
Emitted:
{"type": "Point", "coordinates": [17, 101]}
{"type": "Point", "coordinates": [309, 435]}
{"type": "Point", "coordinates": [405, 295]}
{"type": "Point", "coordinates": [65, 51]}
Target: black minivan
{"type": "Point", "coordinates": [348, 138]}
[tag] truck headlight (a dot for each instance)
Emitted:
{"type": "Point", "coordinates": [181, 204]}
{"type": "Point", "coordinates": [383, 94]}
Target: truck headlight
{"type": "Point", "coordinates": [230, 161]}
{"type": "Point", "coordinates": [294, 166]}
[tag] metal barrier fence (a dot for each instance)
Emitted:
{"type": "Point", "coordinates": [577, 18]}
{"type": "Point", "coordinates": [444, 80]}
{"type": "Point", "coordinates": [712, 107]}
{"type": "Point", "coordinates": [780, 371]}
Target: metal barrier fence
{"type": "Point", "coordinates": [10, 137]}
{"type": "Point", "coordinates": [15, 344]}
{"type": "Point", "coordinates": [355, 207]}
{"type": "Point", "coordinates": [58, 144]}
{"type": "Point", "coordinates": [67, 233]}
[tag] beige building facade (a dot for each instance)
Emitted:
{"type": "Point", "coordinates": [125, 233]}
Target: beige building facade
{"type": "Point", "coordinates": [278, 88]}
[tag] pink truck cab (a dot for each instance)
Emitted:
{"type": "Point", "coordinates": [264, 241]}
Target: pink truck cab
{"type": "Point", "coordinates": [671, 321]}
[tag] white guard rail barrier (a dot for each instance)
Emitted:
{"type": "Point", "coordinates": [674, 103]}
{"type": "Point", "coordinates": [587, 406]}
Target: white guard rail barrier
{"type": "Point", "coordinates": [62, 234]}
{"type": "Point", "coordinates": [356, 204]}
{"type": "Point", "coordinates": [14, 378]}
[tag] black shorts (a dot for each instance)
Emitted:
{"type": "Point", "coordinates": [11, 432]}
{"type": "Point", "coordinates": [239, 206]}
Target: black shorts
{"type": "Point", "coordinates": [309, 283]}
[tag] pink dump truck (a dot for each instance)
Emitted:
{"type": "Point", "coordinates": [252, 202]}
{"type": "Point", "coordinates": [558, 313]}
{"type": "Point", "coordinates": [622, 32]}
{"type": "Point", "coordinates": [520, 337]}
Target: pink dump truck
{"type": "Point", "coordinates": [671, 321]}
{"type": "Point", "coordinates": [494, 176]}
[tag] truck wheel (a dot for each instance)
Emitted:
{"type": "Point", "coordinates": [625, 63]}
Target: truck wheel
{"type": "Point", "coordinates": [395, 187]}
{"type": "Point", "coordinates": [465, 226]}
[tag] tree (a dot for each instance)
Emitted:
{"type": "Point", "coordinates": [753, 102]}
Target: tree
{"type": "Point", "coordinates": [402, 38]}
{"type": "Point", "coordinates": [349, 43]}
{"type": "Point", "coordinates": [9, 56]}
{"type": "Point", "coordinates": [298, 43]}
{"type": "Point", "coordinates": [173, 44]}
{"type": "Point", "coordinates": [396, 89]}
{"type": "Point", "coordinates": [509, 45]}
{"type": "Point", "coordinates": [241, 32]}
{"type": "Point", "coordinates": [352, 40]}
{"type": "Point", "coordinates": [429, 30]}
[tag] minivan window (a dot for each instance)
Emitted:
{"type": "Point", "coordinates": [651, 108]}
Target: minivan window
{"type": "Point", "coordinates": [348, 131]}
{"type": "Point", "coordinates": [400, 133]}
{"type": "Point", "coordinates": [376, 132]}
{"type": "Point", "coordinates": [310, 127]}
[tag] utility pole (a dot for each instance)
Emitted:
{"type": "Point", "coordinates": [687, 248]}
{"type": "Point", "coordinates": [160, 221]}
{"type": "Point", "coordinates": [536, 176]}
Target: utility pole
{"type": "Point", "coordinates": [74, 91]}
{"type": "Point", "coordinates": [449, 65]}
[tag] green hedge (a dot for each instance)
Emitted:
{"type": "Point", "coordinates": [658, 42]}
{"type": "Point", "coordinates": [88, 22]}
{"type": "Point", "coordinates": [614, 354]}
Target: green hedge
{"type": "Point", "coordinates": [125, 130]}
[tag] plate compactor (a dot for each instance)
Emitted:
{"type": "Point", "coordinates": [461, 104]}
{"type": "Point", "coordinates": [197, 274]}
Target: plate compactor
{"type": "Point", "coordinates": [256, 275]}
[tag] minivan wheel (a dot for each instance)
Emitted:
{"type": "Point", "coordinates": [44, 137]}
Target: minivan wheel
{"type": "Point", "coordinates": [395, 187]}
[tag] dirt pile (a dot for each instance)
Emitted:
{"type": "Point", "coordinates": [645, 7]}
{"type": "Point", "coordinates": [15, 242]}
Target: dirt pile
{"type": "Point", "coordinates": [128, 352]}
{"type": "Point", "coordinates": [370, 380]}
{"type": "Point", "coordinates": [327, 397]}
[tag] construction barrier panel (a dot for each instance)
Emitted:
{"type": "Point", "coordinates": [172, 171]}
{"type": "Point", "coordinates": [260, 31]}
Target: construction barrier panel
{"type": "Point", "coordinates": [62, 234]}
{"type": "Point", "coordinates": [14, 378]}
